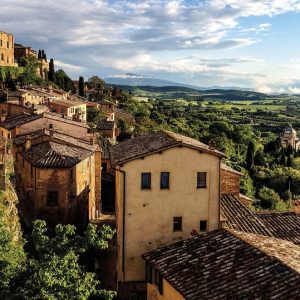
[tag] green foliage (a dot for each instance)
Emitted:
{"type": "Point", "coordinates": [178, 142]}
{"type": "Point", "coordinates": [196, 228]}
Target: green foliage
{"type": "Point", "coordinates": [268, 198]}
{"type": "Point", "coordinates": [64, 81]}
{"type": "Point", "coordinates": [250, 155]}
{"type": "Point", "coordinates": [54, 272]}
{"type": "Point", "coordinates": [12, 256]}
{"type": "Point", "coordinates": [246, 184]}
{"type": "Point", "coordinates": [51, 73]}
{"type": "Point", "coordinates": [30, 71]}
{"type": "Point", "coordinates": [96, 83]}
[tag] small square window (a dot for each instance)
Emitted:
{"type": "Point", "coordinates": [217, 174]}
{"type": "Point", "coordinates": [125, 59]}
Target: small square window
{"type": "Point", "coordinates": [146, 181]}
{"type": "Point", "coordinates": [201, 180]}
{"type": "Point", "coordinates": [203, 225]}
{"type": "Point", "coordinates": [177, 224]}
{"type": "Point", "coordinates": [164, 180]}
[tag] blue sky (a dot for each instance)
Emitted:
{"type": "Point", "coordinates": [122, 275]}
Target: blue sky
{"type": "Point", "coordinates": [247, 44]}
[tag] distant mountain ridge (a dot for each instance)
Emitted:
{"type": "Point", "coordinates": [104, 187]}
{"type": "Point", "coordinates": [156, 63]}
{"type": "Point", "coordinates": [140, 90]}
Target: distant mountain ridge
{"type": "Point", "coordinates": [132, 79]}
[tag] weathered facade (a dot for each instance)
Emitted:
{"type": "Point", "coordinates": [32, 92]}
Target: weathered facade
{"type": "Point", "coordinates": [24, 123]}
{"type": "Point", "coordinates": [6, 49]}
{"type": "Point", "coordinates": [182, 197]}
{"type": "Point", "coordinates": [73, 109]}
{"type": "Point", "coordinates": [57, 177]}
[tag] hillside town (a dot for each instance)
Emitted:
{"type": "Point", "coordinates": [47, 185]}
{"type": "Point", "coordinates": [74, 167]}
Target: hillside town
{"type": "Point", "coordinates": [183, 228]}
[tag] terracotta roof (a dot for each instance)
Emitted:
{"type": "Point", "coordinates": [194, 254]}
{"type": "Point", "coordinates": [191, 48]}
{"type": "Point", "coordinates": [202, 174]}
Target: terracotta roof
{"type": "Point", "coordinates": [18, 120]}
{"type": "Point", "coordinates": [229, 169]}
{"type": "Point", "coordinates": [57, 136]}
{"type": "Point", "coordinates": [52, 154]}
{"type": "Point", "coordinates": [283, 225]}
{"type": "Point", "coordinates": [219, 265]}
{"type": "Point", "coordinates": [287, 252]}
{"type": "Point", "coordinates": [66, 102]}
{"type": "Point", "coordinates": [239, 217]}
{"type": "Point", "coordinates": [106, 125]}
{"type": "Point", "coordinates": [152, 143]}
{"type": "Point", "coordinates": [65, 119]}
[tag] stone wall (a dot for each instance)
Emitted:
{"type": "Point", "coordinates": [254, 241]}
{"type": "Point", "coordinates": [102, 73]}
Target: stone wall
{"type": "Point", "coordinates": [230, 182]}
{"type": "Point", "coordinates": [6, 49]}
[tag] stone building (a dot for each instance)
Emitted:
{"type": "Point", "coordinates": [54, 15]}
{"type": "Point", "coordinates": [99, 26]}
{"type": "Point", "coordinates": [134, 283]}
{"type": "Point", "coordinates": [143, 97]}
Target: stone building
{"type": "Point", "coordinates": [6, 50]}
{"type": "Point", "coordinates": [57, 178]}
{"type": "Point", "coordinates": [167, 187]}
{"type": "Point", "coordinates": [70, 108]}
{"type": "Point", "coordinates": [24, 123]}
{"type": "Point", "coordinates": [288, 137]}
{"type": "Point", "coordinates": [23, 51]}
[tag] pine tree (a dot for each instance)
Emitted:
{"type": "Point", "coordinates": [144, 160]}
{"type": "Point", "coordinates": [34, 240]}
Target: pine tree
{"type": "Point", "coordinates": [81, 87]}
{"type": "Point", "coordinates": [51, 74]}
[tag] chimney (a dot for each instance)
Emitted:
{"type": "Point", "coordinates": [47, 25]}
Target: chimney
{"type": "Point", "coordinates": [297, 207]}
{"type": "Point", "coordinates": [212, 145]}
{"type": "Point", "coordinates": [27, 143]}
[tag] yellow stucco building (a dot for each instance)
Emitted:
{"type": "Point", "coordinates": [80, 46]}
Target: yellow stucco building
{"type": "Point", "coordinates": [167, 186]}
{"type": "Point", "coordinates": [6, 49]}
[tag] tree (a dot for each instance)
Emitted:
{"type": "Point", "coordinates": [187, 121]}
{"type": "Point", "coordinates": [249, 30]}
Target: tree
{"type": "Point", "coordinates": [289, 161]}
{"type": "Point", "coordinates": [12, 256]}
{"type": "Point", "coordinates": [51, 74]}
{"type": "Point", "coordinates": [96, 83]}
{"type": "Point", "coordinates": [259, 159]}
{"type": "Point", "coordinates": [40, 54]}
{"type": "Point", "coordinates": [54, 271]}
{"type": "Point", "coordinates": [29, 74]}
{"type": "Point", "coordinates": [268, 198]}
{"type": "Point", "coordinates": [81, 87]}
{"type": "Point", "coordinates": [250, 155]}
{"type": "Point", "coordinates": [63, 80]}
{"type": "Point", "coordinates": [283, 159]}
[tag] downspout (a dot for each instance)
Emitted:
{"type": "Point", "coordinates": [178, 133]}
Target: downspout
{"type": "Point", "coordinates": [123, 219]}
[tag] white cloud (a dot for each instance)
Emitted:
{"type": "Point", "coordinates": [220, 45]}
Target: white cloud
{"type": "Point", "coordinates": [95, 35]}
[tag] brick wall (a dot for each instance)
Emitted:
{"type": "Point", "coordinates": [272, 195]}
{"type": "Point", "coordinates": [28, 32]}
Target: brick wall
{"type": "Point", "coordinates": [230, 182]}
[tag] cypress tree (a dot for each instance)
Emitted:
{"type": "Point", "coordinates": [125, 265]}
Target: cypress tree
{"type": "Point", "coordinates": [51, 74]}
{"type": "Point", "coordinates": [40, 54]}
{"type": "Point", "coordinates": [289, 161]}
{"type": "Point", "coordinates": [81, 87]}
{"type": "Point", "coordinates": [250, 155]}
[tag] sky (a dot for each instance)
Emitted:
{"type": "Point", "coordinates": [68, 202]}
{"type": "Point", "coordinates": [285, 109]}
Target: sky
{"type": "Point", "coordinates": [231, 43]}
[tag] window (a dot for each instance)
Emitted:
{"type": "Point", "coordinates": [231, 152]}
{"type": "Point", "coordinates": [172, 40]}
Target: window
{"type": "Point", "coordinates": [177, 224]}
{"type": "Point", "coordinates": [8, 135]}
{"type": "Point", "coordinates": [71, 174]}
{"type": "Point", "coordinates": [50, 126]}
{"type": "Point", "coordinates": [2, 56]}
{"type": "Point", "coordinates": [203, 225]}
{"type": "Point", "coordinates": [201, 180]}
{"type": "Point", "coordinates": [52, 199]}
{"type": "Point", "coordinates": [7, 44]}
{"type": "Point", "coordinates": [62, 110]}
{"type": "Point", "coordinates": [0, 43]}
{"type": "Point", "coordinates": [159, 282]}
{"type": "Point", "coordinates": [146, 181]}
{"type": "Point", "coordinates": [164, 180]}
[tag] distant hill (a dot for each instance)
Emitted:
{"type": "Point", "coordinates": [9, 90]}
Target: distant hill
{"type": "Point", "coordinates": [187, 92]}
{"type": "Point", "coordinates": [140, 80]}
